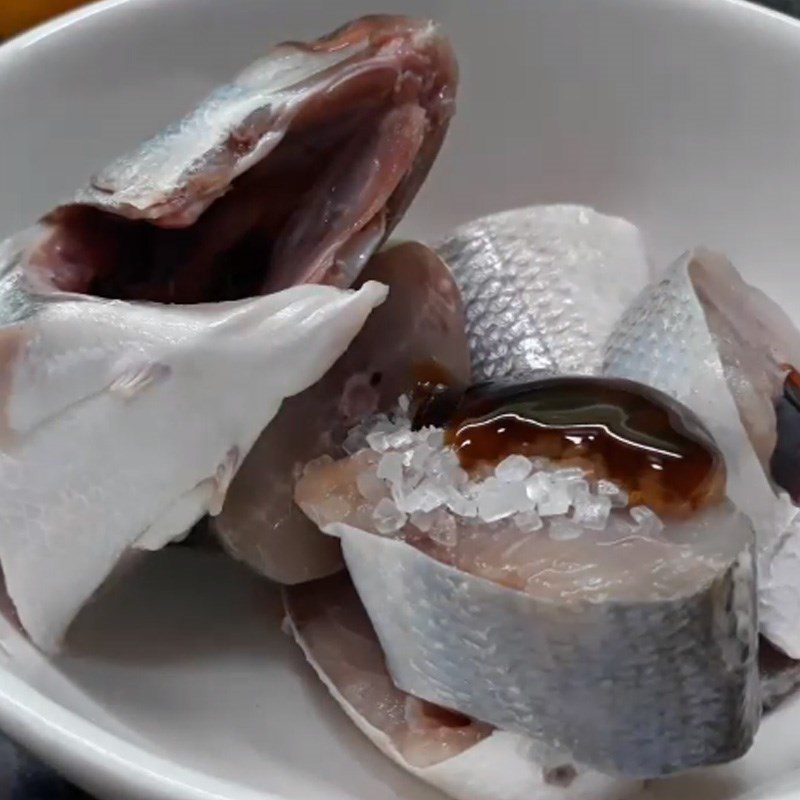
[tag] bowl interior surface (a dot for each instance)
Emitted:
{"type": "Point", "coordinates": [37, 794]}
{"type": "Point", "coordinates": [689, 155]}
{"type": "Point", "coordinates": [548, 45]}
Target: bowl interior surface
{"type": "Point", "coordinates": [681, 116]}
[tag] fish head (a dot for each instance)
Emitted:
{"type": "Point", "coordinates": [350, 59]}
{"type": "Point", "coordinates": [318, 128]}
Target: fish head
{"type": "Point", "coordinates": [295, 172]}
{"type": "Point", "coordinates": [123, 422]}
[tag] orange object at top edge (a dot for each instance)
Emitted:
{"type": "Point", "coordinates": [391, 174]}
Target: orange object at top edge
{"type": "Point", "coordinates": [19, 15]}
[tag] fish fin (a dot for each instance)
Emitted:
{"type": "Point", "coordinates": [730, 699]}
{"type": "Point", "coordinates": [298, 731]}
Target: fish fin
{"type": "Point", "coordinates": [175, 521]}
{"type": "Point", "coordinates": [207, 497]}
{"type": "Point", "coordinates": [135, 378]}
{"type": "Point", "coordinates": [222, 480]}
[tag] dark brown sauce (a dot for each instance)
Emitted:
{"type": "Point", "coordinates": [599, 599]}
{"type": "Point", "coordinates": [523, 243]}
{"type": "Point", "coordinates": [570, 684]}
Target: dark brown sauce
{"type": "Point", "coordinates": [785, 461]}
{"type": "Point", "coordinates": [435, 392]}
{"type": "Point", "coordinates": [652, 446]}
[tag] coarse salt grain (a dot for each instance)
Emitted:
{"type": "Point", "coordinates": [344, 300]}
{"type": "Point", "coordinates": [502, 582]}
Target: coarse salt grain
{"type": "Point", "coordinates": [592, 512]}
{"type": "Point", "coordinates": [370, 486]}
{"type": "Point", "coordinates": [388, 518]}
{"type": "Point", "coordinates": [443, 529]}
{"type": "Point", "coordinates": [619, 497]}
{"type": "Point", "coordinates": [390, 468]}
{"type": "Point", "coordinates": [513, 469]}
{"type": "Point", "coordinates": [556, 501]}
{"type": "Point", "coordinates": [426, 481]}
{"type": "Point", "coordinates": [647, 521]}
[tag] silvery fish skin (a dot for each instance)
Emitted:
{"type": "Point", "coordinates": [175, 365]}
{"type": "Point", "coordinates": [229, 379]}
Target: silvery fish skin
{"type": "Point", "coordinates": [465, 759]}
{"type": "Point", "coordinates": [543, 286]}
{"type": "Point", "coordinates": [702, 335]}
{"type": "Point", "coordinates": [122, 423]}
{"type": "Point", "coordinates": [293, 173]}
{"type": "Point", "coordinates": [420, 324]}
{"type": "Point", "coordinates": [634, 654]}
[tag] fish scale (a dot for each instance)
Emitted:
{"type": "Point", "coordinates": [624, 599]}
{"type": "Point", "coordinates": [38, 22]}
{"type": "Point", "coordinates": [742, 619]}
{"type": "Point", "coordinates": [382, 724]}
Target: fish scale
{"type": "Point", "coordinates": [664, 340]}
{"type": "Point", "coordinates": [640, 689]}
{"type": "Point", "coordinates": [542, 286]}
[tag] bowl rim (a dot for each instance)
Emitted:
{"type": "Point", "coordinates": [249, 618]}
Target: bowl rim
{"type": "Point", "coordinates": [78, 747]}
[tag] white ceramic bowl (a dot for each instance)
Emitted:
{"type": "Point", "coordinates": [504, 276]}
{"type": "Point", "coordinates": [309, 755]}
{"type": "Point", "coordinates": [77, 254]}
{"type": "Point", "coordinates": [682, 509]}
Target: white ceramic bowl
{"type": "Point", "coordinates": [679, 114]}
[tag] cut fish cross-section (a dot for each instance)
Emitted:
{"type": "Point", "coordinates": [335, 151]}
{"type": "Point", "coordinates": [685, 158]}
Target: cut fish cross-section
{"type": "Point", "coordinates": [466, 759]}
{"type": "Point", "coordinates": [532, 599]}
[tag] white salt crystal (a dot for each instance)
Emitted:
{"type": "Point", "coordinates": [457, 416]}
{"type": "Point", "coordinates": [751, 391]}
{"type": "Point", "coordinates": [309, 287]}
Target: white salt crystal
{"type": "Point", "coordinates": [377, 440]}
{"type": "Point", "coordinates": [425, 497]}
{"type": "Point", "coordinates": [647, 521]}
{"type": "Point", "coordinates": [495, 501]}
{"type": "Point", "coordinates": [459, 476]}
{"type": "Point", "coordinates": [556, 501]}
{"type": "Point", "coordinates": [562, 530]}
{"type": "Point", "coordinates": [316, 463]}
{"type": "Point", "coordinates": [399, 440]}
{"type": "Point", "coordinates": [388, 517]}
{"type": "Point", "coordinates": [412, 478]}
{"type": "Point", "coordinates": [403, 403]}
{"type": "Point", "coordinates": [435, 438]}
{"type": "Point", "coordinates": [390, 468]}
{"type": "Point", "coordinates": [568, 474]}
{"type": "Point", "coordinates": [519, 496]}
{"type": "Point", "coordinates": [619, 497]}
{"type": "Point", "coordinates": [370, 486]}
{"type": "Point", "coordinates": [536, 487]}
{"type": "Point", "coordinates": [460, 504]}
{"type": "Point", "coordinates": [444, 462]}
{"type": "Point", "coordinates": [443, 530]}
{"type": "Point", "coordinates": [513, 468]}
{"type": "Point", "coordinates": [420, 454]}
{"type": "Point", "coordinates": [592, 512]}
{"type": "Point", "coordinates": [528, 521]}
{"type": "Point", "coordinates": [579, 491]}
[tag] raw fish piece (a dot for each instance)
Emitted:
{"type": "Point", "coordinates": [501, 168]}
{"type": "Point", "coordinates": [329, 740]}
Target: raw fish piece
{"type": "Point", "coordinates": [420, 324]}
{"type": "Point", "coordinates": [293, 173]}
{"type": "Point", "coordinates": [466, 759]}
{"type": "Point", "coordinates": [630, 645]}
{"type": "Point", "coordinates": [124, 422]}
{"type": "Point", "coordinates": [543, 286]}
{"type": "Point", "coordinates": [703, 336]}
